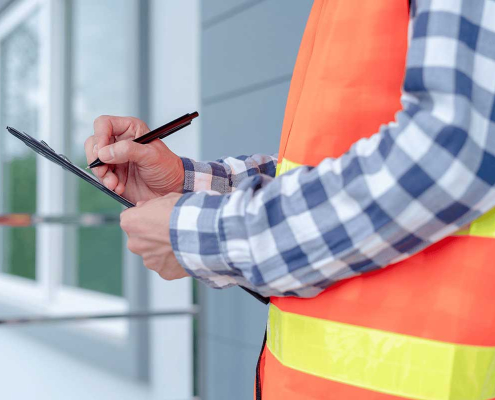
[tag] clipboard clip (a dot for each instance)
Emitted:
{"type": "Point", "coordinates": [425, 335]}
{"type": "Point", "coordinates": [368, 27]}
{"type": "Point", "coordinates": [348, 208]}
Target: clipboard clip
{"type": "Point", "coordinates": [45, 144]}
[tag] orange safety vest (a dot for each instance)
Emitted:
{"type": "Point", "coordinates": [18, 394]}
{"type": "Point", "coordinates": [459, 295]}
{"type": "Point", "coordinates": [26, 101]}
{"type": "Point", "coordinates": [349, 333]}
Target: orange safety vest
{"type": "Point", "coordinates": [421, 329]}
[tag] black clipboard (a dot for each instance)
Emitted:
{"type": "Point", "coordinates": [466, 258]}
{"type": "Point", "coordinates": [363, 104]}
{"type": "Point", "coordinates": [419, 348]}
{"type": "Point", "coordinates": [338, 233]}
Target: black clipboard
{"type": "Point", "coordinates": [46, 151]}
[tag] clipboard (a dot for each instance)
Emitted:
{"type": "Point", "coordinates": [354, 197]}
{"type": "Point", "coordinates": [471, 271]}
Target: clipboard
{"type": "Point", "coordinates": [43, 149]}
{"type": "Point", "coordinates": [46, 151]}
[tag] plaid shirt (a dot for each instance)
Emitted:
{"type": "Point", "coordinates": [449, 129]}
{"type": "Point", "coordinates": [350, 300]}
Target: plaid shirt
{"type": "Point", "coordinates": [416, 181]}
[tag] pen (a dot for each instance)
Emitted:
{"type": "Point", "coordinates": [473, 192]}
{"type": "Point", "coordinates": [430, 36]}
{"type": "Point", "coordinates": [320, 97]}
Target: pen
{"type": "Point", "coordinates": [158, 133]}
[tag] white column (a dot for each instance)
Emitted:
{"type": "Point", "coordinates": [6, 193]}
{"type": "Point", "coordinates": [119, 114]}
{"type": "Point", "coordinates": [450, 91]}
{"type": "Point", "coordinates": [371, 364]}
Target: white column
{"type": "Point", "coordinates": [50, 177]}
{"type": "Point", "coordinates": [174, 90]}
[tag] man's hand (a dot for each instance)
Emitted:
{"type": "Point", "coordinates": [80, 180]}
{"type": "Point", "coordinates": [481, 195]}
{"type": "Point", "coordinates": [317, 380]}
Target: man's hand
{"type": "Point", "coordinates": [147, 226]}
{"type": "Point", "coordinates": [136, 171]}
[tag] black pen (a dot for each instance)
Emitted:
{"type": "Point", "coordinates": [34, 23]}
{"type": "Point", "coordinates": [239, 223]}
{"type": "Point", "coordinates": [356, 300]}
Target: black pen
{"type": "Point", "coordinates": [158, 133]}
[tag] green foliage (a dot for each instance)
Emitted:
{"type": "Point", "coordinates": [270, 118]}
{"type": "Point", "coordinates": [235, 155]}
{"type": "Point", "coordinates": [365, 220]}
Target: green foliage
{"type": "Point", "coordinates": [100, 248]}
{"type": "Point", "coordinates": [21, 192]}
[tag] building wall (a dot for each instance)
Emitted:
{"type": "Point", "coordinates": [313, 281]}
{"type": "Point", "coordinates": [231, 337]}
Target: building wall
{"type": "Point", "coordinates": [248, 52]}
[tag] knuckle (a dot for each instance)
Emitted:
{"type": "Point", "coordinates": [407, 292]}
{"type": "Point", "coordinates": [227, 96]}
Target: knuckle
{"type": "Point", "coordinates": [149, 262]}
{"type": "Point", "coordinates": [132, 246]}
{"type": "Point", "coordinates": [138, 126]}
{"type": "Point", "coordinates": [167, 275]}
{"type": "Point", "coordinates": [99, 120]}
{"type": "Point", "coordinates": [144, 128]}
{"type": "Point", "coordinates": [124, 221]}
{"type": "Point", "coordinates": [136, 246]}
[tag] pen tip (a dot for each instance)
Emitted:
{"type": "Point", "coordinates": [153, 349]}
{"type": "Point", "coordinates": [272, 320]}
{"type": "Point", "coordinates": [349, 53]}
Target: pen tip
{"type": "Point", "coordinates": [88, 168]}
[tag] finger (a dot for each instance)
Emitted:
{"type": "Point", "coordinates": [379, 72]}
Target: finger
{"type": "Point", "coordinates": [120, 189]}
{"type": "Point", "coordinates": [121, 173]}
{"type": "Point", "coordinates": [110, 180]}
{"type": "Point", "coordinates": [90, 148]}
{"type": "Point", "coordinates": [126, 220]}
{"type": "Point", "coordinates": [127, 150]}
{"type": "Point", "coordinates": [134, 246]}
{"type": "Point", "coordinates": [140, 203]}
{"type": "Point", "coordinates": [152, 263]}
{"type": "Point", "coordinates": [100, 172]}
{"type": "Point", "coordinates": [107, 126]}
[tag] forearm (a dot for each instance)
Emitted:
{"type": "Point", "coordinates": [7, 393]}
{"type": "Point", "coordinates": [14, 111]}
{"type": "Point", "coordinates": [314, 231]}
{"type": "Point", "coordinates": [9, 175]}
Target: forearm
{"type": "Point", "coordinates": [300, 233]}
{"type": "Point", "coordinates": [225, 175]}
{"type": "Point", "coordinates": [418, 180]}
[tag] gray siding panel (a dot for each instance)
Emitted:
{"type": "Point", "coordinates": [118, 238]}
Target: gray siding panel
{"type": "Point", "coordinates": [245, 124]}
{"type": "Point", "coordinates": [231, 371]}
{"type": "Point", "coordinates": [255, 46]}
{"type": "Point", "coordinates": [216, 9]}
{"type": "Point", "coordinates": [227, 306]}
{"type": "Point", "coordinates": [234, 334]}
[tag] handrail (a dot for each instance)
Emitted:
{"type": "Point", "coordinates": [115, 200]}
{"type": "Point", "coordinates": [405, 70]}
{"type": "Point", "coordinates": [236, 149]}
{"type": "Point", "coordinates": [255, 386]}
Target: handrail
{"type": "Point", "coordinates": [193, 310]}
{"type": "Point", "coordinates": [83, 219]}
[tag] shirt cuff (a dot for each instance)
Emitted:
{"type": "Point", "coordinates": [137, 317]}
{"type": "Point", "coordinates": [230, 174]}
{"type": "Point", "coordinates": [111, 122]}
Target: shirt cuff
{"type": "Point", "coordinates": [200, 176]}
{"type": "Point", "coordinates": [195, 239]}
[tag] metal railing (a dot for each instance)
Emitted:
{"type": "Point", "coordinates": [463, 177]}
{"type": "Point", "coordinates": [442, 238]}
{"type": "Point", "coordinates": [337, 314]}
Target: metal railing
{"type": "Point", "coordinates": [81, 220]}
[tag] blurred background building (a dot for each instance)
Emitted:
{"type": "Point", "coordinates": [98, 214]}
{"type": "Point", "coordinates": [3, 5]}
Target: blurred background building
{"type": "Point", "coordinates": [63, 63]}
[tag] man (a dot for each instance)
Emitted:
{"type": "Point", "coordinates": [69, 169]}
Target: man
{"type": "Point", "coordinates": [350, 197]}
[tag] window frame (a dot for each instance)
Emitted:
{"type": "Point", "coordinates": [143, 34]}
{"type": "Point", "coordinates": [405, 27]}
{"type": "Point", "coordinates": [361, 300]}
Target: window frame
{"type": "Point", "coordinates": [120, 344]}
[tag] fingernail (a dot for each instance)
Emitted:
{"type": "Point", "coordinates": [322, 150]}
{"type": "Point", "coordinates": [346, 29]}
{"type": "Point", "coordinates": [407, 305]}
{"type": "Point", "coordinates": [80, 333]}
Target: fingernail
{"type": "Point", "coordinates": [95, 150]}
{"type": "Point", "coordinates": [106, 154]}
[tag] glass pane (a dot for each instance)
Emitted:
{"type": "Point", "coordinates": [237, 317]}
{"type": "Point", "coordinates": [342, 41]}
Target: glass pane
{"type": "Point", "coordinates": [100, 82]}
{"type": "Point", "coordinates": [19, 94]}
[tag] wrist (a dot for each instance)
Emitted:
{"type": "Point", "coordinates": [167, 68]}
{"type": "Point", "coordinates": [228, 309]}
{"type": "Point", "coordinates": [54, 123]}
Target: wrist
{"type": "Point", "coordinates": [177, 185]}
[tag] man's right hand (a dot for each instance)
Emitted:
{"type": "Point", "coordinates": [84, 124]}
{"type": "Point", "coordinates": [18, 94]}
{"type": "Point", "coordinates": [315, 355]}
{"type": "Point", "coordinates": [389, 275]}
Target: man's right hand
{"type": "Point", "coordinates": [137, 172]}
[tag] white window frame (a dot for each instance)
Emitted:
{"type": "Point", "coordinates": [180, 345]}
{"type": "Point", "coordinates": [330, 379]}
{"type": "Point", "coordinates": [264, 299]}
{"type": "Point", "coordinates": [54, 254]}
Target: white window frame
{"type": "Point", "coordinates": [120, 340]}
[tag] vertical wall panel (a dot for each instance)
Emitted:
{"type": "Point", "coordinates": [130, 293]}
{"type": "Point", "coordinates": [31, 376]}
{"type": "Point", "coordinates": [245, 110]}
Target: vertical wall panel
{"type": "Point", "coordinates": [252, 47]}
{"type": "Point", "coordinates": [246, 62]}
{"type": "Point", "coordinates": [245, 124]}
{"type": "Point", "coordinates": [216, 9]}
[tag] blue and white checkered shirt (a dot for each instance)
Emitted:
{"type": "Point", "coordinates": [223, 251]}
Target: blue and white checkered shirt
{"type": "Point", "coordinates": [416, 181]}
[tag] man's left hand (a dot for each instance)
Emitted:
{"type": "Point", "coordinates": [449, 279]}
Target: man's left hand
{"type": "Point", "coordinates": [147, 226]}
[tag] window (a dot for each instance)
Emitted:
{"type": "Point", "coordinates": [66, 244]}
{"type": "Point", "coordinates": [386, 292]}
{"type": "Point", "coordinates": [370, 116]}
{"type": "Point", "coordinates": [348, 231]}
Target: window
{"type": "Point", "coordinates": [100, 76]}
{"type": "Point", "coordinates": [19, 93]}
{"type": "Point", "coordinates": [63, 63]}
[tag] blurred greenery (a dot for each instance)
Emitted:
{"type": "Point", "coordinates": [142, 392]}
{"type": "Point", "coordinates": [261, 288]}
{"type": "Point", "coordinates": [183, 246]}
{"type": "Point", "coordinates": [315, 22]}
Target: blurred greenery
{"type": "Point", "coordinates": [99, 248]}
{"type": "Point", "coordinates": [21, 257]}
{"type": "Point", "coordinates": [100, 253]}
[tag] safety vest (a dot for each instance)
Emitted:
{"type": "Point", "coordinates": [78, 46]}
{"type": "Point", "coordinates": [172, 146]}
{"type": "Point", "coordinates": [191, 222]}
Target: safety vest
{"type": "Point", "coordinates": [423, 328]}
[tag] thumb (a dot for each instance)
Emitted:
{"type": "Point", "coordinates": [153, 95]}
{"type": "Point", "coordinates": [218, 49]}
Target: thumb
{"type": "Point", "coordinates": [125, 151]}
{"type": "Point", "coordinates": [140, 203]}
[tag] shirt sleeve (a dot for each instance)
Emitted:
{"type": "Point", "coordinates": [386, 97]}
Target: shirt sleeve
{"type": "Point", "coordinates": [225, 175]}
{"type": "Point", "coordinates": [415, 182]}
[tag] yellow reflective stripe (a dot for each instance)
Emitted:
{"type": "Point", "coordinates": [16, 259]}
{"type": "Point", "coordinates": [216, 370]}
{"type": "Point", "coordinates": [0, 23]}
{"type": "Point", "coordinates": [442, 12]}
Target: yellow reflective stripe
{"type": "Point", "coordinates": [391, 363]}
{"type": "Point", "coordinates": [285, 166]}
{"type": "Point", "coordinates": [484, 226]}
